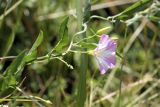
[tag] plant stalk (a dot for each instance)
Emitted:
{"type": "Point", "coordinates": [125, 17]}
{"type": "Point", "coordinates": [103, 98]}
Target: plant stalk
{"type": "Point", "coordinates": [81, 95]}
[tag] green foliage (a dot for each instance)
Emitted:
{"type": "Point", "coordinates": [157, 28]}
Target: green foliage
{"type": "Point", "coordinates": [87, 10]}
{"type": "Point", "coordinates": [63, 36]}
{"type": "Point", "coordinates": [82, 94]}
{"type": "Point", "coordinates": [136, 7]}
{"type": "Point", "coordinates": [32, 54]}
{"type": "Point", "coordinates": [88, 46]}
{"type": "Point", "coordinates": [154, 18]}
{"type": "Point", "coordinates": [37, 42]}
{"type": "Point", "coordinates": [8, 44]}
{"type": "Point", "coordinates": [60, 66]}
{"type": "Point", "coordinates": [12, 73]}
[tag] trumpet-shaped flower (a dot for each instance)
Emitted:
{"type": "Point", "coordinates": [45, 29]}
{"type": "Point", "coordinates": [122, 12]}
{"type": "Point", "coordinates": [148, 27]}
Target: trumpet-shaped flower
{"type": "Point", "coordinates": [105, 53]}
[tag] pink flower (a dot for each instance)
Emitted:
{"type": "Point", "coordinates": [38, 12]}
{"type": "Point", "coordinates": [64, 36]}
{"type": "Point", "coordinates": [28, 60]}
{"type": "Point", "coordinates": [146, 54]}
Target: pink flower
{"type": "Point", "coordinates": [105, 53]}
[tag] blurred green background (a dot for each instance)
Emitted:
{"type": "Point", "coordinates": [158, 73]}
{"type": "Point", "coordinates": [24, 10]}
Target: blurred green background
{"type": "Point", "coordinates": [52, 83]}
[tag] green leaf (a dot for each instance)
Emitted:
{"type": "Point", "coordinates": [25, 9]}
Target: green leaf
{"type": "Point", "coordinates": [13, 72]}
{"type": "Point", "coordinates": [154, 18]}
{"type": "Point", "coordinates": [37, 42]}
{"type": "Point", "coordinates": [87, 10]}
{"type": "Point", "coordinates": [138, 6]}
{"type": "Point", "coordinates": [32, 54]}
{"type": "Point", "coordinates": [13, 68]}
{"type": "Point", "coordinates": [8, 44]}
{"type": "Point", "coordinates": [88, 46]}
{"type": "Point", "coordinates": [64, 38]}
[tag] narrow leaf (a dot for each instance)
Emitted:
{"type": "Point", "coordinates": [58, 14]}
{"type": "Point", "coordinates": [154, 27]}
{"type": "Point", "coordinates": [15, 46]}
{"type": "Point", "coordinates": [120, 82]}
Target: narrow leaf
{"type": "Point", "coordinates": [10, 76]}
{"type": "Point", "coordinates": [88, 46]}
{"type": "Point", "coordinates": [37, 42]}
{"type": "Point", "coordinates": [81, 94]}
{"type": "Point", "coordinates": [64, 39]}
{"type": "Point", "coordinates": [154, 18]}
{"type": "Point", "coordinates": [8, 44]}
{"type": "Point", "coordinates": [138, 6]}
{"type": "Point", "coordinates": [32, 54]}
{"type": "Point", "coordinates": [13, 68]}
{"type": "Point", "coordinates": [87, 10]}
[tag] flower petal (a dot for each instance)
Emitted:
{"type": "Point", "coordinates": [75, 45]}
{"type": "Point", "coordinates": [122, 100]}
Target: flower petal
{"type": "Point", "coordinates": [111, 61]}
{"type": "Point", "coordinates": [104, 38]}
{"type": "Point", "coordinates": [105, 53]}
{"type": "Point", "coordinates": [102, 69]}
{"type": "Point", "coordinates": [111, 46]}
{"type": "Point", "coordinates": [102, 65]}
{"type": "Point", "coordinates": [106, 43]}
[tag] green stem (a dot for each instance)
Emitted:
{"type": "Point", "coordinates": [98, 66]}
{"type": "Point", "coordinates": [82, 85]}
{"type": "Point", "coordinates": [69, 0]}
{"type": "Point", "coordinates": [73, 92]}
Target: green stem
{"type": "Point", "coordinates": [81, 95]}
{"type": "Point", "coordinates": [123, 60]}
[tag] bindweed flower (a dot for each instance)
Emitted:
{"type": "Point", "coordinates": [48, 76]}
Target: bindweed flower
{"type": "Point", "coordinates": [105, 53]}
